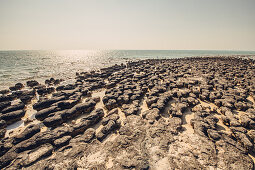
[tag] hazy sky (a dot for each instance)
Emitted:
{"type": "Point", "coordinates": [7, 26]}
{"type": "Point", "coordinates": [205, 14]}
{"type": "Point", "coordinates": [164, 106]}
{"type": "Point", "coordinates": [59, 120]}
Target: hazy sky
{"type": "Point", "coordinates": [127, 24]}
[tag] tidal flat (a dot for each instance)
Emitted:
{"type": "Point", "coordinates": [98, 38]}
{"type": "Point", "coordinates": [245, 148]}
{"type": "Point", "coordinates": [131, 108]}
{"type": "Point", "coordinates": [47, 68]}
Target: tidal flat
{"type": "Point", "coordinates": [187, 113]}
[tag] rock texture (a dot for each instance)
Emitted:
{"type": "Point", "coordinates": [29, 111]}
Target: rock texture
{"type": "Point", "coordinates": [190, 113]}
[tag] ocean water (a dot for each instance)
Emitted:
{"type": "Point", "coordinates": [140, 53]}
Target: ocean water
{"type": "Point", "coordinates": [20, 66]}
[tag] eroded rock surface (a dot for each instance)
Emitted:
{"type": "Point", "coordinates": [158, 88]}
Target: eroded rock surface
{"type": "Point", "coordinates": [191, 113]}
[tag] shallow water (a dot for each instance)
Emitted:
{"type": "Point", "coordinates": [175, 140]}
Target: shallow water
{"type": "Point", "coordinates": [15, 125]}
{"type": "Point", "coordinates": [20, 66]}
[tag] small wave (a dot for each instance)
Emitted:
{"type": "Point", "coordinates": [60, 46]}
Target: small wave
{"type": "Point", "coordinates": [6, 76]}
{"type": "Point", "coordinates": [34, 71]}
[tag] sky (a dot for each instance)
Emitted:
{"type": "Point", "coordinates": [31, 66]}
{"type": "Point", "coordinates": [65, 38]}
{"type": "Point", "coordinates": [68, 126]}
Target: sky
{"type": "Point", "coordinates": [127, 24]}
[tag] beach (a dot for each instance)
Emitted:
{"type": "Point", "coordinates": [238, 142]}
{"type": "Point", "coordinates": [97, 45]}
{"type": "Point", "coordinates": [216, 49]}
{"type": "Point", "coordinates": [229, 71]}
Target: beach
{"type": "Point", "coordinates": [178, 113]}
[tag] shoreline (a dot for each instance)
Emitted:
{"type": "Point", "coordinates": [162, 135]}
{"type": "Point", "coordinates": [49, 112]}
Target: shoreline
{"type": "Point", "coordinates": [154, 113]}
{"type": "Point", "coordinates": [12, 72]}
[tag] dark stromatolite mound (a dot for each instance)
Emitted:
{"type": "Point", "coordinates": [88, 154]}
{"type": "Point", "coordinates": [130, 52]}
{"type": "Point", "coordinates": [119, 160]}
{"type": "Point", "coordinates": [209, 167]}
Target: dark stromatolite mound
{"type": "Point", "coordinates": [13, 116]}
{"type": "Point", "coordinates": [17, 86]}
{"type": "Point", "coordinates": [32, 83]}
{"type": "Point", "coordinates": [13, 108]}
{"type": "Point", "coordinates": [47, 103]}
{"type": "Point", "coordinates": [190, 113]}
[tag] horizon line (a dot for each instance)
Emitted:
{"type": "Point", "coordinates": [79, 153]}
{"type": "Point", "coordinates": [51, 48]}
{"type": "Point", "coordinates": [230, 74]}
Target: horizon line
{"type": "Point", "coordinates": [125, 50]}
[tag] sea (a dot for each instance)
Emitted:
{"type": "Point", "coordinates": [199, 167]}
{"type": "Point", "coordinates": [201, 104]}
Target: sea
{"type": "Point", "coordinates": [24, 65]}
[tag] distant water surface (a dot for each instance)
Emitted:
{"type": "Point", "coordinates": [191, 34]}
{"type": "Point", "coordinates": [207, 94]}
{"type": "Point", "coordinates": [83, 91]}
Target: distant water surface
{"type": "Point", "coordinates": [20, 66]}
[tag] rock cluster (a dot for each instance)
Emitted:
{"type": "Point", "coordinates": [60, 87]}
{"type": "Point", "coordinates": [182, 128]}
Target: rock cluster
{"type": "Point", "coordinates": [189, 113]}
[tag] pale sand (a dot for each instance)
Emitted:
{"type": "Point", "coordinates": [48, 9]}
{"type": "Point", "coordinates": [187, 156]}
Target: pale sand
{"type": "Point", "coordinates": [186, 117]}
{"type": "Point", "coordinates": [144, 106]}
{"type": "Point", "coordinates": [19, 126]}
{"type": "Point", "coordinates": [101, 94]}
{"type": "Point", "coordinates": [122, 116]}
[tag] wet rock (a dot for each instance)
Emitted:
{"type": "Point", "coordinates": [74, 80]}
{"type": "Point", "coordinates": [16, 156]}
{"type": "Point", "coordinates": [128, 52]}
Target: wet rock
{"type": "Point", "coordinates": [54, 120]}
{"type": "Point", "coordinates": [66, 87]}
{"type": "Point", "coordinates": [47, 103]}
{"type": "Point", "coordinates": [12, 117]}
{"type": "Point", "coordinates": [70, 92]}
{"type": "Point", "coordinates": [32, 83]}
{"type": "Point", "coordinates": [26, 98]}
{"type": "Point", "coordinates": [88, 121]}
{"type": "Point", "coordinates": [62, 131]}
{"type": "Point", "coordinates": [30, 131]}
{"type": "Point", "coordinates": [76, 96]}
{"type": "Point", "coordinates": [2, 133]}
{"type": "Point", "coordinates": [17, 86]}
{"type": "Point", "coordinates": [81, 108]}
{"type": "Point", "coordinates": [52, 81]}
{"type": "Point", "coordinates": [4, 105]}
{"type": "Point", "coordinates": [42, 138]}
{"type": "Point", "coordinates": [2, 124]}
{"type": "Point", "coordinates": [94, 116]}
{"type": "Point", "coordinates": [5, 145]}
{"type": "Point", "coordinates": [45, 90]}
{"type": "Point", "coordinates": [13, 108]}
{"type": "Point", "coordinates": [7, 98]}
{"type": "Point", "coordinates": [80, 127]}
{"type": "Point", "coordinates": [32, 143]}
{"type": "Point", "coordinates": [67, 104]}
{"type": "Point", "coordinates": [7, 158]}
{"type": "Point", "coordinates": [4, 91]}
{"type": "Point", "coordinates": [42, 114]}
{"type": "Point", "coordinates": [34, 155]}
